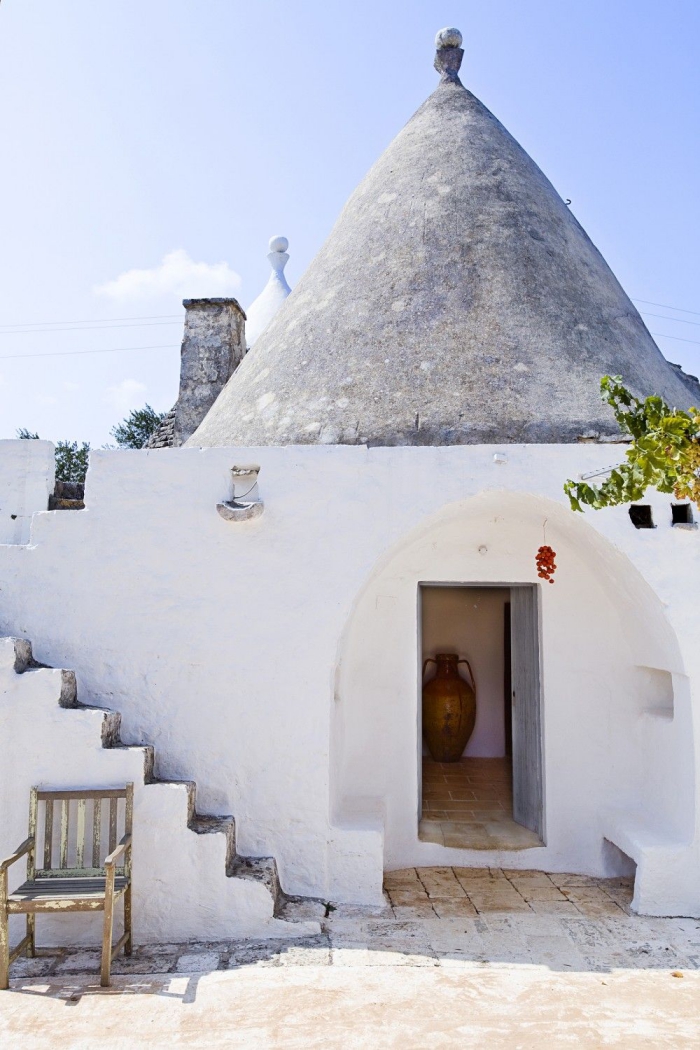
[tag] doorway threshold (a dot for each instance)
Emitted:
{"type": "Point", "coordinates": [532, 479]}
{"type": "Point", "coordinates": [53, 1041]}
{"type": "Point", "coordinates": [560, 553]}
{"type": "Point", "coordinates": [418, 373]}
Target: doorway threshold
{"type": "Point", "coordinates": [469, 805]}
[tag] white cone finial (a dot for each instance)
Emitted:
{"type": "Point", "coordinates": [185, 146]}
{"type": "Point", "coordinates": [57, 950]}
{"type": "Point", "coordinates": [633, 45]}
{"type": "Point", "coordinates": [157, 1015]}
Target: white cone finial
{"type": "Point", "coordinates": [261, 312]}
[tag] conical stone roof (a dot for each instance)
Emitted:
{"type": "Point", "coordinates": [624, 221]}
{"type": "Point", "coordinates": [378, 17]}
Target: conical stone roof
{"type": "Point", "coordinates": [456, 301]}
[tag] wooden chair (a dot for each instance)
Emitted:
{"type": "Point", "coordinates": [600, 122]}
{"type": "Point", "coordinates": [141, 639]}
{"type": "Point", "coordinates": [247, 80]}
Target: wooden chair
{"type": "Point", "coordinates": [63, 888]}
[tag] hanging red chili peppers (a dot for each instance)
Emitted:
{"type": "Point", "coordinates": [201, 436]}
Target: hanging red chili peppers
{"type": "Point", "coordinates": [546, 565]}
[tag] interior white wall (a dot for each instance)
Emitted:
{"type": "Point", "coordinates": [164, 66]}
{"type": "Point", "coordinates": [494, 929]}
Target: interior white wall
{"type": "Point", "coordinates": [469, 621]}
{"type": "Point", "coordinates": [264, 659]}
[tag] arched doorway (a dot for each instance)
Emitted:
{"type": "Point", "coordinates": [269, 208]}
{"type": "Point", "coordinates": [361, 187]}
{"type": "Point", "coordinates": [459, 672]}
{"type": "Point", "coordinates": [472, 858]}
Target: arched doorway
{"type": "Point", "coordinates": [616, 720]}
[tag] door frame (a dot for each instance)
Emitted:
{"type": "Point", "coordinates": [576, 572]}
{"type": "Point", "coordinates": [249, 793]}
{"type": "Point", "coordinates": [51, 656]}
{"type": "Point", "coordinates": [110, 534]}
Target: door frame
{"type": "Point", "coordinates": [472, 584]}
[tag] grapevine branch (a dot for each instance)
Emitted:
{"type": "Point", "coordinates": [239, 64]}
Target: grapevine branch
{"type": "Point", "coordinates": [664, 452]}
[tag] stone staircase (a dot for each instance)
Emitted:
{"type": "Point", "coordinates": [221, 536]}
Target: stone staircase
{"type": "Point", "coordinates": [181, 896]}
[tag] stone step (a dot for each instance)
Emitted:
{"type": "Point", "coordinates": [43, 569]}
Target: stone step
{"type": "Point", "coordinates": [68, 693]}
{"type": "Point", "coordinates": [23, 654]}
{"type": "Point", "coordinates": [205, 824]}
{"type": "Point", "coordinates": [149, 757]}
{"type": "Point", "coordinates": [69, 689]}
{"type": "Point", "coordinates": [189, 786]}
{"type": "Point", "coordinates": [257, 869]}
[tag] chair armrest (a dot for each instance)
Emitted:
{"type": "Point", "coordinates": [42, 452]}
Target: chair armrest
{"type": "Point", "coordinates": [26, 846]}
{"type": "Point", "coordinates": [123, 846]}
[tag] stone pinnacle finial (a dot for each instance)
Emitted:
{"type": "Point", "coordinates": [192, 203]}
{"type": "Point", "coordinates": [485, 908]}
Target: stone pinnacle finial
{"type": "Point", "coordinates": [261, 312]}
{"type": "Point", "coordinates": [278, 260]}
{"type": "Point", "coordinates": [449, 54]}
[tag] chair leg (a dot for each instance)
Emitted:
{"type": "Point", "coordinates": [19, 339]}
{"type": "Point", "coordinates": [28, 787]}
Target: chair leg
{"type": "Point", "coordinates": [107, 940]}
{"type": "Point", "coordinates": [128, 945]}
{"type": "Point", "coordinates": [31, 933]}
{"type": "Point", "coordinates": [4, 951]}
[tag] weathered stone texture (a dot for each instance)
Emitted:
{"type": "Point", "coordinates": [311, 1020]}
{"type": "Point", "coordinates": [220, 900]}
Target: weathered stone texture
{"type": "Point", "coordinates": [68, 495]}
{"type": "Point", "coordinates": [456, 301]}
{"type": "Point", "coordinates": [164, 436]}
{"type": "Point", "coordinates": [212, 348]}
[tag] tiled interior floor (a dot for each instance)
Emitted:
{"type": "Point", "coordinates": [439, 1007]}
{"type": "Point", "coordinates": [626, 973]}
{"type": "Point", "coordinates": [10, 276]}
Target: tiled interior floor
{"type": "Point", "coordinates": [469, 805]}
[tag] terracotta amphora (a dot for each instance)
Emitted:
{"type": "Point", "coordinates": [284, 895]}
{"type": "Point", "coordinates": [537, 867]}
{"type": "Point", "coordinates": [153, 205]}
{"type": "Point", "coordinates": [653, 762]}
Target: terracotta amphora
{"type": "Point", "coordinates": [449, 708]}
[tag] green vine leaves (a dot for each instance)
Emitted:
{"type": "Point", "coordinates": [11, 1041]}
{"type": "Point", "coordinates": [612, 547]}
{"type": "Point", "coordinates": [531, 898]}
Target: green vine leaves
{"type": "Point", "coordinates": [664, 452]}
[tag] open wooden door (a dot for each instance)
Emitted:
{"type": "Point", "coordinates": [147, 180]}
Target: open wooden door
{"type": "Point", "coordinates": [527, 709]}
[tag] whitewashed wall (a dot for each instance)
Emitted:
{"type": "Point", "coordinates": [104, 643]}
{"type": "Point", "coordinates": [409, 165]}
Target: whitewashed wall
{"type": "Point", "coordinates": [26, 481]}
{"type": "Point", "coordinates": [615, 766]}
{"type": "Point", "coordinates": [53, 746]}
{"type": "Point", "coordinates": [276, 661]}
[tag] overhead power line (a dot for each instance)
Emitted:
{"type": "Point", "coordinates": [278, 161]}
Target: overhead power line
{"type": "Point", "coordinates": [161, 317]}
{"type": "Point", "coordinates": [90, 320]}
{"type": "Point", "coordinates": [665, 306]}
{"type": "Point", "coordinates": [92, 328]}
{"type": "Point", "coordinates": [171, 346]}
{"type": "Point", "coordinates": [665, 317]}
{"type": "Point", "coordinates": [155, 324]}
{"type": "Point", "coordinates": [73, 353]}
{"type": "Point", "coordinates": [678, 338]}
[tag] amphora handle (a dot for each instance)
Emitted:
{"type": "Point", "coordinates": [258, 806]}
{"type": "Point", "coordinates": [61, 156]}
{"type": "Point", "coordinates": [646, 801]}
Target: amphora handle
{"type": "Point", "coordinates": [430, 660]}
{"type": "Point", "coordinates": [471, 673]}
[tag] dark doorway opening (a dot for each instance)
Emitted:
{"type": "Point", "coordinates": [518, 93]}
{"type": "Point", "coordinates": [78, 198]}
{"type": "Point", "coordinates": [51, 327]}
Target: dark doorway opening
{"type": "Point", "coordinates": [491, 796]}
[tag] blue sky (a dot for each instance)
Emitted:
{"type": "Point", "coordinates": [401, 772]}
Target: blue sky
{"type": "Point", "coordinates": [154, 130]}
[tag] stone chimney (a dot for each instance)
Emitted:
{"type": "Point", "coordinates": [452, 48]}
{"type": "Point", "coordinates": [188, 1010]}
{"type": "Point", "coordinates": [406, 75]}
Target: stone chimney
{"type": "Point", "coordinates": [213, 346]}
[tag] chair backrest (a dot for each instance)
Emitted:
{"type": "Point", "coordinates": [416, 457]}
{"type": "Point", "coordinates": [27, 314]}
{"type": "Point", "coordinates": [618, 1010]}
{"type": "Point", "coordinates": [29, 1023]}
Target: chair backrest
{"type": "Point", "coordinates": [75, 830]}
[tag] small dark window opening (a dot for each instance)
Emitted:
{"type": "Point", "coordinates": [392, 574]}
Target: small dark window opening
{"type": "Point", "coordinates": [640, 515]}
{"type": "Point", "coordinates": [681, 514]}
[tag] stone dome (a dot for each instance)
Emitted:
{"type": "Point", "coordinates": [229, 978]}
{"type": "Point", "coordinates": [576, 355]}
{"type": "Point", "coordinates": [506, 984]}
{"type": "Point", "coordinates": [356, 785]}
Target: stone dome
{"type": "Point", "coordinates": [457, 300]}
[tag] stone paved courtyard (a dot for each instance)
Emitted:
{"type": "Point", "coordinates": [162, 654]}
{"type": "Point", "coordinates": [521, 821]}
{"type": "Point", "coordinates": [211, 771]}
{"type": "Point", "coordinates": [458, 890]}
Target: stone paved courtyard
{"type": "Point", "coordinates": [477, 941]}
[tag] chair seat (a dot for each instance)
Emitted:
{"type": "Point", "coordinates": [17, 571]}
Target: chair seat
{"type": "Point", "coordinates": [89, 891]}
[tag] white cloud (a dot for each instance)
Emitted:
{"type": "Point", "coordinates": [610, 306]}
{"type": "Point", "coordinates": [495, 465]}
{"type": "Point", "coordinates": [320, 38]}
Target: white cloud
{"type": "Point", "coordinates": [71, 386]}
{"type": "Point", "coordinates": [46, 399]}
{"type": "Point", "coordinates": [125, 395]}
{"type": "Point", "coordinates": [177, 275]}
